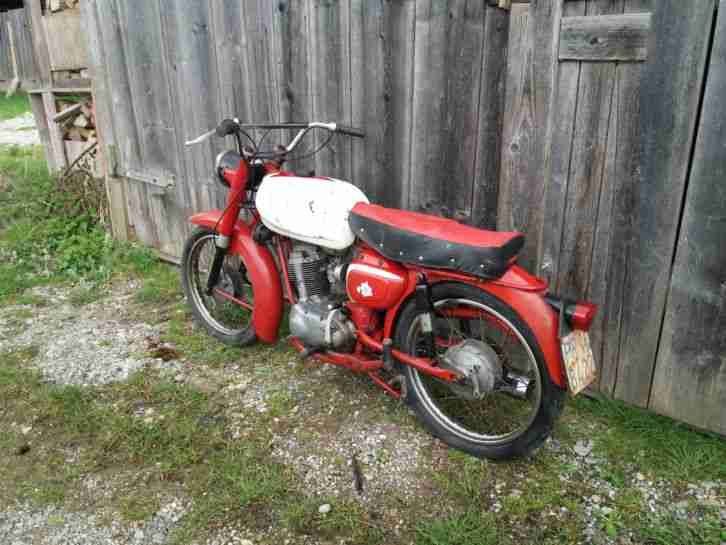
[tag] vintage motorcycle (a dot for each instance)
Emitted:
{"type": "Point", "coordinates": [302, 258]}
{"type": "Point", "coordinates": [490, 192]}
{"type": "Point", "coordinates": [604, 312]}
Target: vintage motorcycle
{"type": "Point", "coordinates": [435, 312]}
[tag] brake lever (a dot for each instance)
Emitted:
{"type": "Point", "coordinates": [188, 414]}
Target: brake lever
{"type": "Point", "coordinates": [202, 138]}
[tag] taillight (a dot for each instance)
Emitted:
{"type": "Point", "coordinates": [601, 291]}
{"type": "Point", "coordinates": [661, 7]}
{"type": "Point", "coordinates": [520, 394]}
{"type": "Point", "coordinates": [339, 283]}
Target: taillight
{"type": "Point", "coordinates": [580, 315]}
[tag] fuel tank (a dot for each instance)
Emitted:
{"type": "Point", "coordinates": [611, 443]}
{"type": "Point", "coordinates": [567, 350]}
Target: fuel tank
{"type": "Point", "coordinates": [313, 210]}
{"type": "Point", "coordinates": [374, 281]}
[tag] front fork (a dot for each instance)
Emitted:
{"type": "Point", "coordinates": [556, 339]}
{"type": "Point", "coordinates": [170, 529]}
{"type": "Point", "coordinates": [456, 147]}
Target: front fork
{"type": "Point", "coordinates": [221, 243]}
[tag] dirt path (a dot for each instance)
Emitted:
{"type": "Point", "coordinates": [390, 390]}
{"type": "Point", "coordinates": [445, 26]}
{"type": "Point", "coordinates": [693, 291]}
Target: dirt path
{"type": "Point", "coordinates": [19, 131]}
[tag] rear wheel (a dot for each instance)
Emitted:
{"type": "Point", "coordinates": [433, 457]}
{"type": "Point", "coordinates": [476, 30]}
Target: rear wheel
{"type": "Point", "coordinates": [224, 318]}
{"type": "Point", "coordinates": [508, 405]}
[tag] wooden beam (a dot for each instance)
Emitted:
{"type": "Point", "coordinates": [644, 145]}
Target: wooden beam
{"type": "Point", "coordinates": [40, 45]}
{"type": "Point", "coordinates": [605, 37]}
{"type": "Point", "coordinates": [68, 112]}
{"type": "Point", "coordinates": [545, 20]}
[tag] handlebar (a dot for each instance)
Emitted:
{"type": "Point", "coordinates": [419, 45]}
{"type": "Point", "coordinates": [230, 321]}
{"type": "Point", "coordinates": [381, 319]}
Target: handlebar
{"type": "Point", "coordinates": [233, 126]}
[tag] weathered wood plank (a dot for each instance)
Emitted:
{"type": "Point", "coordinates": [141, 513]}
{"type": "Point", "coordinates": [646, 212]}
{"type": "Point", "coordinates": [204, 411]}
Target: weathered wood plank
{"type": "Point", "coordinates": [614, 231]}
{"type": "Point", "coordinates": [430, 129]}
{"type": "Point", "coordinates": [330, 78]}
{"type": "Point", "coordinates": [66, 43]}
{"type": "Point", "coordinates": [40, 45]}
{"type": "Point", "coordinates": [558, 142]}
{"type": "Point", "coordinates": [54, 133]}
{"type": "Point", "coordinates": [115, 186]}
{"type": "Point", "coordinates": [400, 60]}
{"type": "Point", "coordinates": [464, 47]}
{"type": "Point", "coordinates": [605, 37]}
{"type": "Point", "coordinates": [6, 66]}
{"type": "Point", "coordinates": [296, 76]}
{"type": "Point", "coordinates": [669, 102]}
{"type": "Point", "coordinates": [369, 96]}
{"type": "Point", "coordinates": [491, 111]}
{"type": "Point", "coordinates": [690, 375]}
{"type": "Point", "coordinates": [191, 62]}
{"type": "Point", "coordinates": [519, 174]}
{"type": "Point", "coordinates": [41, 122]}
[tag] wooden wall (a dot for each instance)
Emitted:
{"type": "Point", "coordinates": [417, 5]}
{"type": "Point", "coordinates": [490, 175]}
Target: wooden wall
{"type": "Point", "coordinates": [573, 121]}
{"type": "Point", "coordinates": [17, 22]}
{"type": "Point", "coordinates": [423, 78]}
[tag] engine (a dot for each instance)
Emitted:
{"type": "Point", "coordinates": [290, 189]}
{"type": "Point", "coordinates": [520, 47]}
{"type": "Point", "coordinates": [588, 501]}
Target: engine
{"type": "Point", "coordinates": [318, 318]}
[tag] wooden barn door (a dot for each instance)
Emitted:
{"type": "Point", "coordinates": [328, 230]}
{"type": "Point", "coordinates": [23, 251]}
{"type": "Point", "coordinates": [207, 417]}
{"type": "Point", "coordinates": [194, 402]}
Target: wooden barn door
{"type": "Point", "coordinates": [689, 380]}
{"type": "Point", "coordinates": [570, 150]}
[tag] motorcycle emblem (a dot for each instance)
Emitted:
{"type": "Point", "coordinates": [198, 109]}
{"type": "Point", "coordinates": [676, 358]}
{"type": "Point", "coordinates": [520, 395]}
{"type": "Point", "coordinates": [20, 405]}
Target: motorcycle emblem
{"type": "Point", "coordinates": [365, 289]}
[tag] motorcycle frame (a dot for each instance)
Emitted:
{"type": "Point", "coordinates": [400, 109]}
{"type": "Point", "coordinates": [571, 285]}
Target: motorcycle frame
{"type": "Point", "coordinates": [517, 288]}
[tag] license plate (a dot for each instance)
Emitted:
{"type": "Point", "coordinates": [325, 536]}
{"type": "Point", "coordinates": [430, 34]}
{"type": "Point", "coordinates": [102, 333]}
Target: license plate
{"type": "Point", "coordinates": [579, 361]}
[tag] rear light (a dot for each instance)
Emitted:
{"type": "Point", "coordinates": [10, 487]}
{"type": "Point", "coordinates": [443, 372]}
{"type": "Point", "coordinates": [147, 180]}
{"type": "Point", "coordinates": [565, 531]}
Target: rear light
{"type": "Point", "coordinates": [580, 315]}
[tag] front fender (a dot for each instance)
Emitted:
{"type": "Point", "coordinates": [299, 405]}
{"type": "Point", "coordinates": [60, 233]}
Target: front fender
{"type": "Point", "coordinates": [261, 271]}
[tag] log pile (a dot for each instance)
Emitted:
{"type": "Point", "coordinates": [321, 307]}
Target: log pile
{"type": "Point", "coordinates": [76, 120]}
{"type": "Point", "coordinates": [60, 5]}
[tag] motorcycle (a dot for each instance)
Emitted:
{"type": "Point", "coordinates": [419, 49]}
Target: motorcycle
{"type": "Point", "coordinates": [435, 312]}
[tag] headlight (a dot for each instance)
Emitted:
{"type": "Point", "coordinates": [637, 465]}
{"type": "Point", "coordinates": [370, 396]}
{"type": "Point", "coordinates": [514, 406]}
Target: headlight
{"type": "Point", "coordinates": [227, 160]}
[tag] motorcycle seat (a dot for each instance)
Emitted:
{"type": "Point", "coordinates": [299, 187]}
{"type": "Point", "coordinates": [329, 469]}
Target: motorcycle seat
{"type": "Point", "coordinates": [435, 242]}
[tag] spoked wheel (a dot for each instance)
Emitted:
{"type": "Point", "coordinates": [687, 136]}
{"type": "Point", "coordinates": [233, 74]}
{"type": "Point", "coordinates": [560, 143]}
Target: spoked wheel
{"type": "Point", "coordinates": [507, 404]}
{"type": "Point", "coordinates": [226, 313]}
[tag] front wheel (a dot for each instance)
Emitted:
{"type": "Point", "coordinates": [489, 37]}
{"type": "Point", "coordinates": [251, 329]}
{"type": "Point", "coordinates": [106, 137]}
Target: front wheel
{"type": "Point", "coordinates": [226, 313]}
{"type": "Point", "coordinates": [507, 405]}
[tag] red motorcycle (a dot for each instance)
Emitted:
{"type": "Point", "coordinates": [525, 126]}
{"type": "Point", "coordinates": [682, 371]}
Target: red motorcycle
{"type": "Point", "coordinates": [435, 312]}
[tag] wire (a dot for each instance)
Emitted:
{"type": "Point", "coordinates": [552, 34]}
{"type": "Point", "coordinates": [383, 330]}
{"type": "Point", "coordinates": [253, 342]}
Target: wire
{"type": "Point", "coordinates": [320, 148]}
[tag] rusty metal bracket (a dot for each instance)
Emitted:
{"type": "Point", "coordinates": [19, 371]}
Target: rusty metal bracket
{"type": "Point", "coordinates": [161, 181]}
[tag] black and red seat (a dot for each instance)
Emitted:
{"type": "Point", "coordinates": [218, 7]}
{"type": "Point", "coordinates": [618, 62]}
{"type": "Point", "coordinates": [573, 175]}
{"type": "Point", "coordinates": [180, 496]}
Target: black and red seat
{"type": "Point", "coordinates": [431, 241]}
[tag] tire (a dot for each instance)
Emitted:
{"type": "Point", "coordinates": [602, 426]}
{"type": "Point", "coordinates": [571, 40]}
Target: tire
{"type": "Point", "coordinates": [546, 405]}
{"type": "Point", "coordinates": [201, 305]}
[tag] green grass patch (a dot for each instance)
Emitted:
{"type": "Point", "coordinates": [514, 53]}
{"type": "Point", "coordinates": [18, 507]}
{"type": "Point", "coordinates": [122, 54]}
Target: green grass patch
{"type": "Point", "coordinates": [471, 528]}
{"type": "Point", "coordinates": [13, 106]}
{"type": "Point", "coordinates": [682, 453]}
{"type": "Point", "coordinates": [347, 520]}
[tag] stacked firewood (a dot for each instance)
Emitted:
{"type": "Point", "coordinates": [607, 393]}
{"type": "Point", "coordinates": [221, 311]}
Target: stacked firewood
{"type": "Point", "coordinates": [60, 5]}
{"type": "Point", "coordinates": [76, 120]}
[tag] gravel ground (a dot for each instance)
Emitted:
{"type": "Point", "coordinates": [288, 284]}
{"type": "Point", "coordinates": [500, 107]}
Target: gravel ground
{"type": "Point", "coordinates": [333, 444]}
{"type": "Point", "coordinates": [83, 346]}
{"type": "Point", "coordinates": [19, 131]}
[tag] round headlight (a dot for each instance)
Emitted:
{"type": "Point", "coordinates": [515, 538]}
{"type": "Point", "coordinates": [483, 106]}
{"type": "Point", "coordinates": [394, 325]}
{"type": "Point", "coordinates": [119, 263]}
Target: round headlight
{"type": "Point", "coordinates": [227, 160]}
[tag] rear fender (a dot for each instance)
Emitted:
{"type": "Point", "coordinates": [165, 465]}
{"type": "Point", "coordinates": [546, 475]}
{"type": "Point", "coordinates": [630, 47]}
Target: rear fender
{"type": "Point", "coordinates": [521, 291]}
{"type": "Point", "coordinates": [262, 272]}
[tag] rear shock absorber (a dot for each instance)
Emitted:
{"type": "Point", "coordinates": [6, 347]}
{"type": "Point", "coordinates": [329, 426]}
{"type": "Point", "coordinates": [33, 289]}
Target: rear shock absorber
{"type": "Point", "coordinates": [426, 307]}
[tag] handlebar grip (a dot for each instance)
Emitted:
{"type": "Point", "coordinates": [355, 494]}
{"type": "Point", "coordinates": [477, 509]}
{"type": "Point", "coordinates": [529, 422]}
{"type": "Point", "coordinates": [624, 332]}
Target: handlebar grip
{"type": "Point", "coordinates": [227, 127]}
{"type": "Point", "coordinates": [350, 131]}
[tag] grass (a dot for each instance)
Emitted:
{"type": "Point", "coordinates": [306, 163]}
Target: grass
{"type": "Point", "coordinates": [13, 106]}
{"type": "Point", "coordinates": [683, 454]}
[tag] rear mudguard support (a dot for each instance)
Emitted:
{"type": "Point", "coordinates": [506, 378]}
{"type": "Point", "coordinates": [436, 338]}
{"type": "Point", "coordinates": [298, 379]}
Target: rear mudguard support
{"type": "Point", "coordinates": [261, 271]}
{"type": "Point", "coordinates": [521, 291]}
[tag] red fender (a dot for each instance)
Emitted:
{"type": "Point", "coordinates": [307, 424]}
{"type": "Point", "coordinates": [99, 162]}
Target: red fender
{"type": "Point", "coordinates": [521, 291]}
{"type": "Point", "coordinates": [261, 271]}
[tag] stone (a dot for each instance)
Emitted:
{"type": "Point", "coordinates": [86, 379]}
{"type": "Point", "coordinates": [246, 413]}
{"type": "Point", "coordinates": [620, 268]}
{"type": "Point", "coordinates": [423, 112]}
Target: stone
{"type": "Point", "coordinates": [324, 509]}
{"type": "Point", "coordinates": [583, 448]}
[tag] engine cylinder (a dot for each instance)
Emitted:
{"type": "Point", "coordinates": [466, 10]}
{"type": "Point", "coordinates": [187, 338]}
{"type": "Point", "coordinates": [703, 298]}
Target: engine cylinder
{"type": "Point", "coordinates": [307, 269]}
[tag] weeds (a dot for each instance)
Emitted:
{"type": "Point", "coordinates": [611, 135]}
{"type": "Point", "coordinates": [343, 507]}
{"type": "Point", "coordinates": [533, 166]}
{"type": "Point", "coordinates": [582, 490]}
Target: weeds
{"type": "Point", "coordinates": [13, 106]}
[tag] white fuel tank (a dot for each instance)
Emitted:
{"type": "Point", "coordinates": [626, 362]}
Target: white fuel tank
{"type": "Point", "coordinates": [313, 210]}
